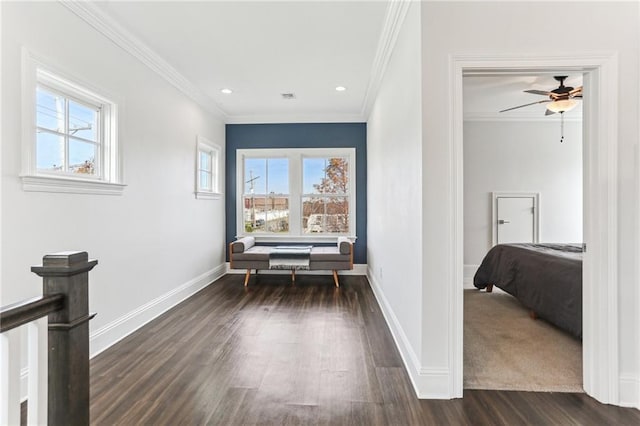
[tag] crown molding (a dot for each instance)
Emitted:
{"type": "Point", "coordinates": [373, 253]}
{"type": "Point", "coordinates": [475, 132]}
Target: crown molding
{"type": "Point", "coordinates": [115, 32]}
{"type": "Point", "coordinates": [396, 12]}
{"type": "Point", "coordinates": [289, 118]}
{"type": "Point", "coordinates": [495, 116]}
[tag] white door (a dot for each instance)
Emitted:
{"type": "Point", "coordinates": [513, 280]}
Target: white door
{"type": "Point", "coordinates": [516, 220]}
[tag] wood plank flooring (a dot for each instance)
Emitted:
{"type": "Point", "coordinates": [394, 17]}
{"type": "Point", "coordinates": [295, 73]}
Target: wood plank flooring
{"type": "Point", "coordinates": [282, 354]}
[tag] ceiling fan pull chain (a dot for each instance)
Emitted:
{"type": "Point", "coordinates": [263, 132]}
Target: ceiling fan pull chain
{"type": "Point", "coordinates": [561, 126]}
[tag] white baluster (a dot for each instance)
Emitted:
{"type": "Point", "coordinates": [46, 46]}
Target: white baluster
{"type": "Point", "coordinates": [10, 377]}
{"type": "Point", "coordinates": [38, 368]}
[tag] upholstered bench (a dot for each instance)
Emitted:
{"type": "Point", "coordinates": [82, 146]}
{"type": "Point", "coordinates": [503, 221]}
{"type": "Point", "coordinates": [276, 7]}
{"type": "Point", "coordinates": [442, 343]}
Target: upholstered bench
{"type": "Point", "coordinates": [245, 254]}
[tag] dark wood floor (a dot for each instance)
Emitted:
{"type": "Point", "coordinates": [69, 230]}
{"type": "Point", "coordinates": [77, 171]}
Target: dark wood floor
{"type": "Point", "coordinates": [307, 354]}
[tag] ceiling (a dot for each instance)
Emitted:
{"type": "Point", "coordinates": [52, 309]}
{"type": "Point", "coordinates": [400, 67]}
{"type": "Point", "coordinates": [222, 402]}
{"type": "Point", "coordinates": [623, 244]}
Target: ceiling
{"type": "Point", "coordinates": [263, 49]}
{"type": "Point", "coordinates": [260, 50]}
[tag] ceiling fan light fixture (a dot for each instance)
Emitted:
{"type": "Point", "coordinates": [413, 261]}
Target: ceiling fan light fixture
{"type": "Point", "coordinates": [562, 105]}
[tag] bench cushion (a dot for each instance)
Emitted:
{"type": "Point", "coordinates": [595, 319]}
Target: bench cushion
{"type": "Point", "coordinates": [243, 244]}
{"type": "Point", "coordinates": [257, 253]}
{"type": "Point", "coordinates": [328, 254]}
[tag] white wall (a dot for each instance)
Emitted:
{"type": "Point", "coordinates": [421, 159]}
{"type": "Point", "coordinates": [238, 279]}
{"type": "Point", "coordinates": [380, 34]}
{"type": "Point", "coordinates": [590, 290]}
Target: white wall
{"type": "Point", "coordinates": [522, 156]}
{"type": "Point", "coordinates": [394, 221]}
{"type": "Point", "coordinates": [154, 238]}
{"type": "Point", "coordinates": [522, 29]}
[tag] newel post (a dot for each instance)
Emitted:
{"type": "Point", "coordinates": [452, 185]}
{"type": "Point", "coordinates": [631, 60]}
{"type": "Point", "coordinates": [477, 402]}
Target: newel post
{"type": "Point", "coordinates": [67, 273]}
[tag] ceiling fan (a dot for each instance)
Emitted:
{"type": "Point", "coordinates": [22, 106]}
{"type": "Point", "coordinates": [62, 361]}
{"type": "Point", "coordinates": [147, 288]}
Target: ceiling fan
{"type": "Point", "coordinates": [560, 100]}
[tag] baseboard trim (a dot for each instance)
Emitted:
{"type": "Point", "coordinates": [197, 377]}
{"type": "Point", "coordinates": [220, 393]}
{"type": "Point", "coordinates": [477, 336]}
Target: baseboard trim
{"type": "Point", "coordinates": [117, 330]}
{"type": "Point", "coordinates": [468, 272]}
{"type": "Point", "coordinates": [358, 269]}
{"type": "Point", "coordinates": [629, 391]}
{"type": "Point", "coordinates": [428, 383]}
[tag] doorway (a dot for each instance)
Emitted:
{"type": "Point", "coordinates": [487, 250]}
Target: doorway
{"type": "Point", "coordinates": [600, 313]}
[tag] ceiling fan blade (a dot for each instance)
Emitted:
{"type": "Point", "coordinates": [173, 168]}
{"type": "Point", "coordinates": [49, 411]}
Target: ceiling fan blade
{"type": "Point", "coordinates": [577, 90]}
{"type": "Point", "coordinates": [521, 106]}
{"type": "Point", "coordinates": [548, 112]}
{"type": "Point", "coordinates": [538, 92]}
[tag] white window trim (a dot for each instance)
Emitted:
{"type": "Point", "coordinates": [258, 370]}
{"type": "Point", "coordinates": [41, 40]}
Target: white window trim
{"type": "Point", "coordinates": [110, 181]}
{"type": "Point", "coordinates": [295, 156]}
{"type": "Point", "coordinates": [204, 144]}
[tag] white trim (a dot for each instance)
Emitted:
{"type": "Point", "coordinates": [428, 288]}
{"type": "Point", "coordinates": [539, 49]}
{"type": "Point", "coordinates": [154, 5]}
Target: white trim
{"type": "Point", "coordinates": [428, 383]}
{"type": "Point", "coordinates": [295, 118]}
{"type": "Point", "coordinates": [394, 18]}
{"type": "Point", "coordinates": [469, 272]}
{"type": "Point", "coordinates": [70, 186]}
{"type": "Point", "coordinates": [600, 302]}
{"type": "Point", "coordinates": [358, 269]}
{"type": "Point", "coordinates": [115, 32]}
{"type": "Point", "coordinates": [629, 390]}
{"type": "Point", "coordinates": [109, 334]}
{"type": "Point", "coordinates": [514, 194]}
{"type": "Point", "coordinates": [204, 195]}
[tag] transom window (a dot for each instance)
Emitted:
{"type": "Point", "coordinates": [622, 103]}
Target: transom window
{"type": "Point", "coordinates": [300, 193]}
{"type": "Point", "coordinates": [207, 169]}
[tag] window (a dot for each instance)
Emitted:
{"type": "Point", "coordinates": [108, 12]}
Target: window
{"type": "Point", "coordinates": [207, 170]}
{"type": "Point", "coordinates": [70, 142]}
{"type": "Point", "coordinates": [306, 194]}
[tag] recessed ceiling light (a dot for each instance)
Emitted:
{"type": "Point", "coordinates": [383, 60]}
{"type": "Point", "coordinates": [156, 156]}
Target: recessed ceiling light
{"type": "Point", "coordinates": [288, 95]}
{"type": "Point", "coordinates": [341, 89]}
{"type": "Point", "coordinates": [226, 91]}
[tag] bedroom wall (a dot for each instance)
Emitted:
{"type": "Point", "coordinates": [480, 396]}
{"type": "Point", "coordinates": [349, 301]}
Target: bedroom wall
{"type": "Point", "coordinates": [522, 156]}
{"type": "Point", "coordinates": [521, 29]}
{"type": "Point", "coordinates": [156, 243]}
{"type": "Point", "coordinates": [395, 220]}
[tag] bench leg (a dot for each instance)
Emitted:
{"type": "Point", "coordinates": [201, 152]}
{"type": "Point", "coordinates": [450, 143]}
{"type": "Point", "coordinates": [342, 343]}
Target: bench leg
{"type": "Point", "coordinates": [489, 288]}
{"type": "Point", "coordinates": [293, 276]}
{"type": "Point", "coordinates": [335, 278]}
{"type": "Point", "coordinates": [246, 277]}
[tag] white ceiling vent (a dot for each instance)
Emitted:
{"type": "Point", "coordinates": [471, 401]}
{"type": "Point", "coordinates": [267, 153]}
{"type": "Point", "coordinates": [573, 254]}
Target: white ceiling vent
{"type": "Point", "coordinates": [288, 95]}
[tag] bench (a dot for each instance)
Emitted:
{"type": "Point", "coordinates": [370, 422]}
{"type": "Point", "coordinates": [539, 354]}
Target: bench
{"type": "Point", "coordinates": [245, 254]}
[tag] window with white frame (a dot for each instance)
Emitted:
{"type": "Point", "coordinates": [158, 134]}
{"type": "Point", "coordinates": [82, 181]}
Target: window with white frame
{"type": "Point", "coordinates": [70, 142]}
{"type": "Point", "coordinates": [306, 194]}
{"type": "Point", "coordinates": [207, 169]}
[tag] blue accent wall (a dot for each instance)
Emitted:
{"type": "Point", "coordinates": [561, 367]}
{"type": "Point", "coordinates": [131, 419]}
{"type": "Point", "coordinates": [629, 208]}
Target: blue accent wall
{"type": "Point", "coordinates": [304, 135]}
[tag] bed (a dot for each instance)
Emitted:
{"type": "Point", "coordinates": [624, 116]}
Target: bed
{"type": "Point", "coordinates": [546, 278]}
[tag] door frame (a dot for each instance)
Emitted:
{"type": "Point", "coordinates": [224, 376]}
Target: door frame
{"type": "Point", "coordinates": [600, 208]}
{"type": "Point", "coordinates": [494, 212]}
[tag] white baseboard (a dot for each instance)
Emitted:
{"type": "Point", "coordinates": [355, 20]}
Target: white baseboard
{"type": "Point", "coordinates": [117, 330]}
{"type": "Point", "coordinates": [428, 383]}
{"type": "Point", "coordinates": [358, 269]}
{"type": "Point", "coordinates": [629, 393]}
{"type": "Point", "coordinates": [468, 273]}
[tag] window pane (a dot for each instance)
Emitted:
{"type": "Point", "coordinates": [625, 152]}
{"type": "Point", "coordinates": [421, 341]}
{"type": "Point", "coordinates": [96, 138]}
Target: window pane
{"type": "Point", "coordinates": [325, 215]}
{"type": "Point", "coordinates": [50, 110]}
{"type": "Point", "coordinates": [83, 121]}
{"type": "Point", "coordinates": [205, 160]}
{"type": "Point", "coordinates": [49, 151]}
{"type": "Point", "coordinates": [266, 214]}
{"type": "Point", "coordinates": [82, 157]}
{"type": "Point", "coordinates": [255, 176]}
{"type": "Point", "coordinates": [205, 180]}
{"type": "Point", "coordinates": [325, 175]}
{"type": "Point", "coordinates": [278, 176]}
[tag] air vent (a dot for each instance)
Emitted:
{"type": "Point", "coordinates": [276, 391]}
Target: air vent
{"type": "Point", "coordinates": [288, 95]}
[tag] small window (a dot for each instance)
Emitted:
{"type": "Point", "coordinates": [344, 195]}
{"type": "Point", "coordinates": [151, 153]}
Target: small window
{"type": "Point", "coordinates": [207, 169]}
{"type": "Point", "coordinates": [70, 142]}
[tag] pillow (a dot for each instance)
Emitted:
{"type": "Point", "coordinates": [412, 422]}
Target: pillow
{"type": "Point", "coordinates": [344, 245]}
{"type": "Point", "coordinates": [243, 244]}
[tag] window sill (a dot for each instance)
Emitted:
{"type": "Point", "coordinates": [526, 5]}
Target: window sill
{"type": "Point", "coordinates": [200, 195]}
{"type": "Point", "coordinates": [307, 238]}
{"type": "Point", "coordinates": [31, 183]}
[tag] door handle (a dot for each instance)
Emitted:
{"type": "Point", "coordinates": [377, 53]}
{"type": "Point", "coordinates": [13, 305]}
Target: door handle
{"type": "Point", "coordinates": [503, 221]}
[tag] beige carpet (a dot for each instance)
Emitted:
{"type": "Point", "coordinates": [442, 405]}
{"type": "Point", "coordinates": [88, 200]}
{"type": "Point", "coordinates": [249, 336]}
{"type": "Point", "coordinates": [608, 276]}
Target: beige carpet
{"type": "Point", "coordinates": [505, 349]}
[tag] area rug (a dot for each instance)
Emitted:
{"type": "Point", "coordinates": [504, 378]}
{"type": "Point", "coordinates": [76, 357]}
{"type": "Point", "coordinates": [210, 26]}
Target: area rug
{"type": "Point", "coordinates": [504, 349]}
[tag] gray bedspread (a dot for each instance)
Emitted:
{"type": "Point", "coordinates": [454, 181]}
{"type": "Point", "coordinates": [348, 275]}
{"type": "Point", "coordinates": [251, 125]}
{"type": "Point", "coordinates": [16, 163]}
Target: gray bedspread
{"type": "Point", "coordinates": [546, 278]}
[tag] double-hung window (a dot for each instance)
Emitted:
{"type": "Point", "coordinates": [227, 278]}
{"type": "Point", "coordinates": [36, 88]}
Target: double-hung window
{"type": "Point", "coordinates": [207, 169]}
{"type": "Point", "coordinates": [70, 139]}
{"type": "Point", "coordinates": [296, 194]}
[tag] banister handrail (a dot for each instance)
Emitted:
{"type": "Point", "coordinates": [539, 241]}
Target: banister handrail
{"type": "Point", "coordinates": [23, 312]}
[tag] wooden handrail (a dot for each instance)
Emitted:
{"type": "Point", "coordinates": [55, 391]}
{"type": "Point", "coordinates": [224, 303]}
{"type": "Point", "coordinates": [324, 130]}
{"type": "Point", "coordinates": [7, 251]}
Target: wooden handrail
{"type": "Point", "coordinates": [17, 314]}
